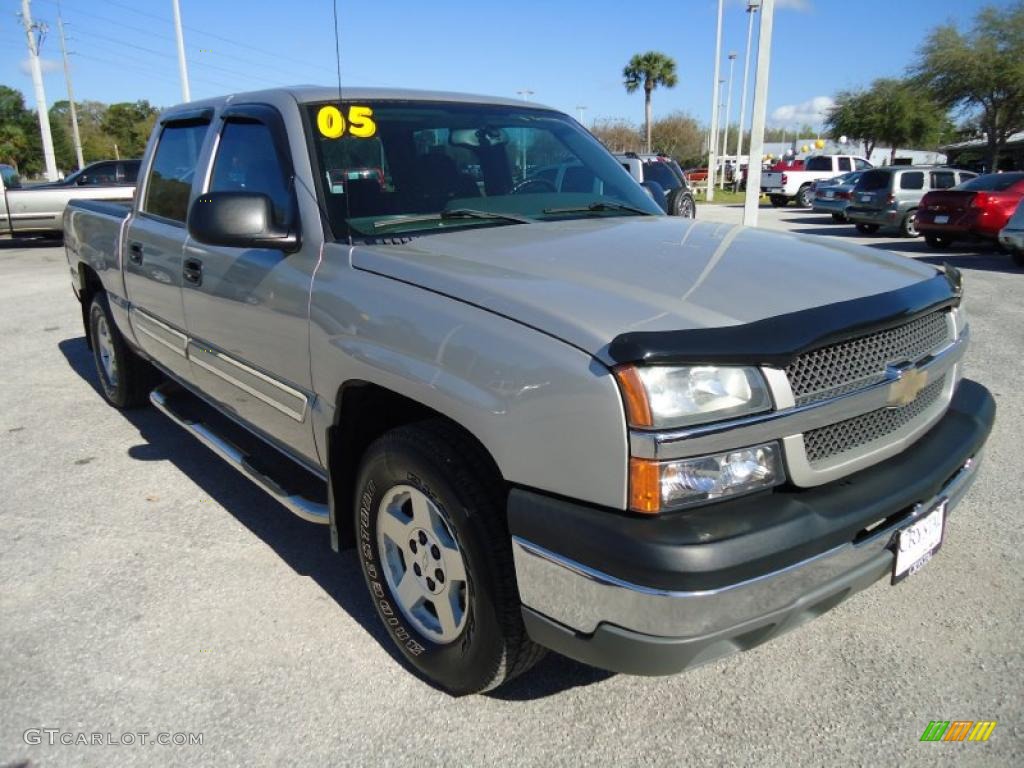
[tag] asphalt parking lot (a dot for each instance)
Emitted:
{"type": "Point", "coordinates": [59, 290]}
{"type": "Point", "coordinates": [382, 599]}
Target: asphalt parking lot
{"type": "Point", "coordinates": [146, 587]}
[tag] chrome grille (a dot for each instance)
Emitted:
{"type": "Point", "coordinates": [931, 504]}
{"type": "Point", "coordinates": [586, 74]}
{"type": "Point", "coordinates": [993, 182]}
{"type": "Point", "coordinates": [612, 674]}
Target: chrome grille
{"type": "Point", "coordinates": [851, 365]}
{"type": "Point", "coordinates": [835, 439]}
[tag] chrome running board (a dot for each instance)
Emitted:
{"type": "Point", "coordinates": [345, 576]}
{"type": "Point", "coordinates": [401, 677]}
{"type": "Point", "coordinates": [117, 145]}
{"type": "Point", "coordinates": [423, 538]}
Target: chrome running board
{"type": "Point", "coordinates": [307, 509]}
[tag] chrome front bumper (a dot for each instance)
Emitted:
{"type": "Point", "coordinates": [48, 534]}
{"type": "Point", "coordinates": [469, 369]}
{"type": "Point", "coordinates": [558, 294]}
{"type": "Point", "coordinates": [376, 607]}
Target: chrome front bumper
{"type": "Point", "coordinates": [581, 599]}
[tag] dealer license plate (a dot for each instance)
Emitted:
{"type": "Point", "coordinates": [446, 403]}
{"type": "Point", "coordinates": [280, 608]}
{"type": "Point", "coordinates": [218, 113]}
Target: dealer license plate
{"type": "Point", "coordinates": [917, 544]}
{"type": "Point", "coordinates": [829, 194]}
{"type": "Point", "coordinates": [865, 198]}
{"type": "Point", "coordinates": [942, 219]}
{"type": "Point", "coordinates": [775, 190]}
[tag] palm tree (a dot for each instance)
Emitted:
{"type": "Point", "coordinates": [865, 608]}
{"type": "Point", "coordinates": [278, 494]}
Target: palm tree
{"type": "Point", "coordinates": [650, 70]}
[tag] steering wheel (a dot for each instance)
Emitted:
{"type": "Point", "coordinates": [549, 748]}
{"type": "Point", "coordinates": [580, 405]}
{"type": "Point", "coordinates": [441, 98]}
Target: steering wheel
{"type": "Point", "coordinates": [535, 184]}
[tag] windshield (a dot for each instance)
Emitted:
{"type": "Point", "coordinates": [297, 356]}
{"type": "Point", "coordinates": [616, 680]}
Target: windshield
{"type": "Point", "coordinates": [401, 166]}
{"type": "Point", "coordinates": [992, 182]}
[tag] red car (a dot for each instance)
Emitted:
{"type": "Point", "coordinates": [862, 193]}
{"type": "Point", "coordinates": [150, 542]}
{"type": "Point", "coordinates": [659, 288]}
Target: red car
{"type": "Point", "coordinates": [977, 208]}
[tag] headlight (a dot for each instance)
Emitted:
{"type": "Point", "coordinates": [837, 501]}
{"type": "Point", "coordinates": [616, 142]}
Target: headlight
{"type": "Point", "coordinates": [662, 396]}
{"type": "Point", "coordinates": [659, 486]}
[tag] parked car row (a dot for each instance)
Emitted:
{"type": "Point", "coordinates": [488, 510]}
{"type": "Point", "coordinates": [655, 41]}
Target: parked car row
{"type": "Point", "coordinates": [942, 204]}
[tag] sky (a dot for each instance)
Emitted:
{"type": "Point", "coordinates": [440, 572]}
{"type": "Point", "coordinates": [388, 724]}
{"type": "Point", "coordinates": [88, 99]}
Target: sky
{"type": "Point", "coordinates": [569, 53]}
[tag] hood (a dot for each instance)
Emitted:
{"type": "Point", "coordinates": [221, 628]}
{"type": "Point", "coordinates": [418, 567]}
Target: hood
{"type": "Point", "coordinates": [587, 281]}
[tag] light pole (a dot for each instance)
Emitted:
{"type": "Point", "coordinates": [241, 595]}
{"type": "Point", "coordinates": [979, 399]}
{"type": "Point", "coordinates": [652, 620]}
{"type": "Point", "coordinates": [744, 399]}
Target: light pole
{"type": "Point", "coordinates": [752, 7]}
{"type": "Point", "coordinates": [764, 54]}
{"type": "Point", "coordinates": [713, 134]}
{"type": "Point", "coordinates": [526, 93]}
{"type": "Point", "coordinates": [728, 114]}
{"type": "Point", "coordinates": [186, 93]}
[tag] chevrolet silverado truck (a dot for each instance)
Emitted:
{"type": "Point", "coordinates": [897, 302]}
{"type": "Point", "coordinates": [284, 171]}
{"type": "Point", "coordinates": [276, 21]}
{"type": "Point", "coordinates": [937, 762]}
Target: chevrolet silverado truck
{"type": "Point", "coordinates": [39, 209]}
{"type": "Point", "coordinates": [783, 186]}
{"type": "Point", "coordinates": [544, 419]}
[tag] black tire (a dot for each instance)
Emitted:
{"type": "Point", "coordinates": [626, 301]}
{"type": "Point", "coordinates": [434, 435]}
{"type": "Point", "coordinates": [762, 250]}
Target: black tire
{"type": "Point", "coordinates": [779, 201]}
{"type": "Point", "coordinates": [839, 218]}
{"type": "Point", "coordinates": [867, 229]}
{"type": "Point", "coordinates": [804, 198]}
{"type": "Point", "coordinates": [908, 226]}
{"type": "Point", "coordinates": [439, 461]}
{"type": "Point", "coordinates": [680, 203]}
{"type": "Point", "coordinates": [126, 380]}
{"type": "Point", "coordinates": [1018, 257]}
{"type": "Point", "coordinates": [938, 241]}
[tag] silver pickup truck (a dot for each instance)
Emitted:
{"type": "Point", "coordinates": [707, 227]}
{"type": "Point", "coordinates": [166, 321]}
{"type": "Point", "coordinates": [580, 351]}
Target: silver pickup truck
{"type": "Point", "coordinates": [39, 209]}
{"type": "Point", "coordinates": [543, 418]}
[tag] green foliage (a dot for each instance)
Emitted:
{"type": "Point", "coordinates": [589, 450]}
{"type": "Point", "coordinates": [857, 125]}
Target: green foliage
{"type": "Point", "coordinates": [127, 125]}
{"type": "Point", "coordinates": [894, 112]}
{"type": "Point", "coordinates": [649, 70]}
{"type": "Point", "coordinates": [618, 135]}
{"type": "Point", "coordinates": [979, 73]}
{"type": "Point", "coordinates": [680, 136]}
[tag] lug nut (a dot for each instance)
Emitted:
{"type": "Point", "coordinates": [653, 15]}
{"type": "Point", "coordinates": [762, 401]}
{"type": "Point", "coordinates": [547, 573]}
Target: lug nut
{"type": "Point", "coordinates": [435, 552]}
{"type": "Point", "coordinates": [439, 575]}
{"type": "Point", "coordinates": [416, 569]}
{"type": "Point", "coordinates": [430, 584]}
{"type": "Point", "coordinates": [423, 538]}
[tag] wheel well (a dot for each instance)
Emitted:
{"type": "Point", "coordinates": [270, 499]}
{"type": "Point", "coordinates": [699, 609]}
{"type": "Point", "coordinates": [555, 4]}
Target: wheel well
{"type": "Point", "coordinates": [90, 284]}
{"type": "Point", "coordinates": [365, 411]}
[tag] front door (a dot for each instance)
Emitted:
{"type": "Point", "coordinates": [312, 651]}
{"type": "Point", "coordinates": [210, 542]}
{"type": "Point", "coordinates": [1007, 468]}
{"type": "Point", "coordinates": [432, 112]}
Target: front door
{"type": "Point", "coordinates": [247, 308]}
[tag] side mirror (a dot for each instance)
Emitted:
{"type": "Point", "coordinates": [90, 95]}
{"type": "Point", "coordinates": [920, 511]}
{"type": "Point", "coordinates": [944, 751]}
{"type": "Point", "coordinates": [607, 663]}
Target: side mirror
{"type": "Point", "coordinates": [657, 193]}
{"type": "Point", "coordinates": [238, 220]}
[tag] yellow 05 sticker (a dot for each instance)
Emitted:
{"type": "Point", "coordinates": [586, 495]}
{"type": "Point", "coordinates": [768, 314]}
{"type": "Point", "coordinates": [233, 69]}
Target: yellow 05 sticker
{"type": "Point", "coordinates": [332, 124]}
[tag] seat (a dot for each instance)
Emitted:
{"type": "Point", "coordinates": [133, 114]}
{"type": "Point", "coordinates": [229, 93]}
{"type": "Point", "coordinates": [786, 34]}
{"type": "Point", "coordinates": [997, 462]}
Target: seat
{"type": "Point", "coordinates": [438, 181]}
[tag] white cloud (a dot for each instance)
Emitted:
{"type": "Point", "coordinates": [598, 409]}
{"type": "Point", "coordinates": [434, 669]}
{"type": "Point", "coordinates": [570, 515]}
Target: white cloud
{"type": "Point", "coordinates": [47, 65]}
{"type": "Point", "coordinates": [811, 112]}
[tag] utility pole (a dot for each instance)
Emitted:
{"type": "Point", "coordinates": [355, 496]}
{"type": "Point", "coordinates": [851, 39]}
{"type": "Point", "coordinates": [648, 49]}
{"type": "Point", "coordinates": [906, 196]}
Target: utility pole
{"type": "Point", "coordinates": [37, 83]}
{"type": "Point", "coordinates": [580, 110]}
{"type": "Point", "coordinates": [712, 144]}
{"type": "Point", "coordinates": [71, 94]}
{"type": "Point", "coordinates": [752, 7]}
{"type": "Point", "coordinates": [186, 94]}
{"type": "Point", "coordinates": [764, 55]}
{"type": "Point", "coordinates": [728, 114]}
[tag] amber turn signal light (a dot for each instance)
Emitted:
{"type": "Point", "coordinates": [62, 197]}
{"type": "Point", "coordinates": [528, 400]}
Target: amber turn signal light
{"type": "Point", "coordinates": [644, 486]}
{"type": "Point", "coordinates": [638, 410]}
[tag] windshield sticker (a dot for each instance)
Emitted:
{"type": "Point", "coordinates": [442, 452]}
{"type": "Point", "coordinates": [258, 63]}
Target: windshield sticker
{"type": "Point", "coordinates": [332, 124]}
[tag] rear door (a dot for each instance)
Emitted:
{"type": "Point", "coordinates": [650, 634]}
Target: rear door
{"type": "Point", "coordinates": [247, 308]}
{"type": "Point", "coordinates": [154, 239]}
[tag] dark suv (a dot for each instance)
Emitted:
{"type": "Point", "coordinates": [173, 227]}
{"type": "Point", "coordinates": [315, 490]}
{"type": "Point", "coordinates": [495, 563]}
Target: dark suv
{"type": "Point", "coordinates": [666, 172]}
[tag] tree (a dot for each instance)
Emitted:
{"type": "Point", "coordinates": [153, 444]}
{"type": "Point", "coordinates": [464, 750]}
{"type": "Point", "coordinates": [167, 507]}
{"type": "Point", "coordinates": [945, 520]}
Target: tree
{"type": "Point", "coordinates": [649, 70]}
{"type": "Point", "coordinates": [618, 135]}
{"type": "Point", "coordinates": [680, 136]}
{"type": "Point", "coordinates": [980, 73]}
{"type": "Point", "coordinates": [129, 125]}
{"type": "Point", "coordinates": [896, 112]}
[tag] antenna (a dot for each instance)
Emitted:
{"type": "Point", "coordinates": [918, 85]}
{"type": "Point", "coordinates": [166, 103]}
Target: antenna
{"type": "Point", "coordinates": [337, 58]}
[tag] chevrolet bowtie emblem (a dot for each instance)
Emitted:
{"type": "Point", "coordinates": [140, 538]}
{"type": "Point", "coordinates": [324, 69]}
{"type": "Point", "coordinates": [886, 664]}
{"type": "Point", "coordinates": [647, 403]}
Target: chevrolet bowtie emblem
{"type": "Point", "coordinates": [909, 382]}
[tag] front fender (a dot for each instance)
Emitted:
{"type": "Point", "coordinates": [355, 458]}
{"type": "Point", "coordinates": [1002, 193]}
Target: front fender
{"type": "Point", "coordinates": [549, 414]}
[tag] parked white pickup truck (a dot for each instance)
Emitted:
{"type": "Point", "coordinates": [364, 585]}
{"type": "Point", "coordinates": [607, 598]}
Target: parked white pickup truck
{"type": "Point", "coordinates": [783, 186]}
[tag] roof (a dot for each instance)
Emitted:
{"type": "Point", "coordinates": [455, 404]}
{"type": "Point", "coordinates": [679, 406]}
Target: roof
{"type": "Point", "coordinates": [305, 94]}
{"type": "Point", "coordinates": [1015, 138]}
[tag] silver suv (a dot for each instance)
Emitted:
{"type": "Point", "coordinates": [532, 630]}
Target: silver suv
{"type": "Point", "coordinates": [666, 172]}
{"type": "Point", "coordinates": [889, 197]}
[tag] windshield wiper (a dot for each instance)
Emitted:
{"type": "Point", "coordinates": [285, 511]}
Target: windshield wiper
{"type": "Point", "coordinates": [455, 213]}
{"type": "Point", "coordinates": [600, 206]}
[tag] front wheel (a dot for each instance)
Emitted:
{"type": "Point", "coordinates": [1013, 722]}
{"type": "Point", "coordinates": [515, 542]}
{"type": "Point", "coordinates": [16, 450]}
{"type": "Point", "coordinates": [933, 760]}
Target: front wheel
{"type": "Point", "coordinates": [867, 229]}
{"type": "Point", "coordinates": [779, 201]}
{"type": "Point", "coordinates": [436, 555]}
{"type": "Point", "coordinates": [1018, 257]}
{"type": "Point", "coordinates": [125, 378]}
